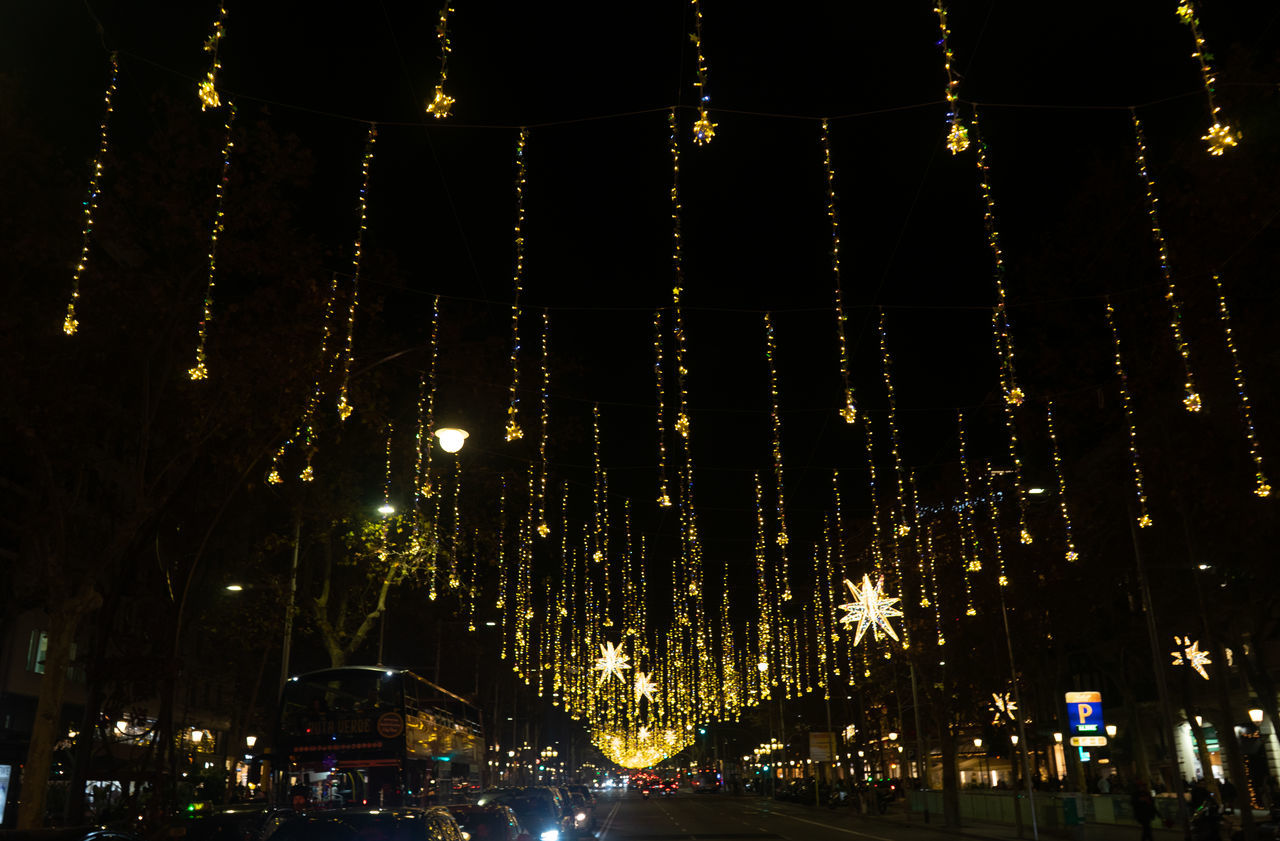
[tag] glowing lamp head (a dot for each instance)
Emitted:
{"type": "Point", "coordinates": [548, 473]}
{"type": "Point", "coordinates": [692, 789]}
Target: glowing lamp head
{"type": "Point", "coordinates": [386, 509]}
{"type": "Point", "coordinates": [1111, 730]}
{"type": "Point", "coordinates": [235, 588]}
{"type": "Point", "coordinates": [1255, 715]}
{"type": "Point", "coordinates": [451, 439]}
{"type": "Point", "coordinates": [1057, 737]}
{"type": "Point", "coordinates": [251, 740]}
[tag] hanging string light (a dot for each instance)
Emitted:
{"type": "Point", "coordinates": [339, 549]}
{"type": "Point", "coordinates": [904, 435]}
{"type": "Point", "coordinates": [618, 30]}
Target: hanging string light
{"type": "Point", "coordinates": [776, 415]}
{"type": "Point", "coordinates": [1220, 134]}
{"type": "Point", "coordinates": [993, 509]}
{"type": "Point", "coordinates": [208, 87]}
{"type": "Point", "coordinates": [543, 528]}
{"type": "Point", "coordinates": [1262, 488]}
{"type": "Point", "coordinates": [876, 515]}
{"type": "Point", "coordinates": [514, 431]}
{"type": "Point", "coordinates": [504, 579]}
{"type": "Point", "coordinates": [306, 426]}
{"type": "Point", "coordinates": [1191, 398]}
{"type": "Point", "coordinates": [958, 135]}
{"type": "Point", "coordinates": [849, 411]}
{"type": "Point", "coordinates": [387, 508]}
{"type": "Point", "coordinates": [598, 489]}
{"type": "Point", "coordinates": [764, 602]}
{"type": "Point", "coordinates": [1002, 331]}
{"type": "Point", "coordinates": [439, 105]}
{"type": "Point", "coordinates": [905, 522]}
{"type": "Point", "coordinates": [677, 266]}
{"type": "Point", "coordinates": [201, 371]}
{"type": "Point", "coordinates": [1144, 519]}
{"type": "Point", "coordinates": [1071, 555]}
{"type": "Point", "coordinates": [664, 495]}
{"type": "Point", "coordinates": [968, 535]}
{"type": "Point", "coordinates": [344, 404]}
{"type": "Point", "coordinates": [69, 323]}
{"type": "Point", "coordinates": [703, 129]}
{"type": "Point", "coordinates": [455, 578]}
{"type": "Point", "coordinates": [427, 424]}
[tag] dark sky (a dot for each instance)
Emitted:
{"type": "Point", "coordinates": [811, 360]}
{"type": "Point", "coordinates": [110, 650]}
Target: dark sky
{"type": "Point", "coordinates": [593, 80]}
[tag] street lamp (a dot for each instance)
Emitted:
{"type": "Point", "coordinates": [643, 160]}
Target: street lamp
{"type": "Point", "coordinates": [1111, 731]}
{"type": "Point", "coordinates": [451, 438]}
{"type": "Point", "coordinates": [1255, 715]}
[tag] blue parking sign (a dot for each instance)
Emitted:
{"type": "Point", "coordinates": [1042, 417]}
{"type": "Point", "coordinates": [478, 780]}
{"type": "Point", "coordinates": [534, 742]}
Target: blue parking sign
{"type": "Point", "coordinates": [1084, 711]}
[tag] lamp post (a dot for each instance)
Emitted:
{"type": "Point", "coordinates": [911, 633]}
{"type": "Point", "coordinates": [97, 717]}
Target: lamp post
{"type": "Point", "coordinates": [982, 771]}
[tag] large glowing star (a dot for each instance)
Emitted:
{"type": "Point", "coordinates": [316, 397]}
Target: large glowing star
{"type": "Point", "coordinates": [870, 608]}
{"type": "Point", "coordinates": [1190, 654]}
{"type": "Point", "coordinates": [611, 662]}
{"type": "Point", "coordinates": [645, 687]}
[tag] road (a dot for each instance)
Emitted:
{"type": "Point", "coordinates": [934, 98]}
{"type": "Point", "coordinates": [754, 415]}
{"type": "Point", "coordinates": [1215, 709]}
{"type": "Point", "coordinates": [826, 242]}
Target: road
{"type": "Point", "coordinates": [722, 817]}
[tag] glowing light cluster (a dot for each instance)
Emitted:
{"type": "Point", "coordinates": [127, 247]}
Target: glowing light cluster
{"type": "Point", "coordinates": [69, 323]}
{"type": "Point", "coordinates": [1071, 555]}
{"type": "Point", "coordinates": [969, 552]}
{"type": "Point", "coordinates": [612, 661]}
{"type": "Point", "coordinates": [357, 251]}
{"type": "Point", "coordinates": [1144, 518]}
{"type": "Point", "coordinates": [957, 135]}
{"type": "Point", "coordinates": [1262, 487]}
{"type": "Point", "coordinates": [904, 525]}
{"type": "Point", "coordinates": [677, 268]}
{"type": "Point", "coordinates": [1001, 327]}
{"type": "Point", "coordinates": [208, 87]}
{"type": "Point", "coordinates": [543, 528]}
{"type": "Point", "coordinates": [1191, 398]}
{"type": "Point", "coordinates": [441, 103]}
{"type": "Point", "coordinates": [703, 129]}
{"type": "Point", "coordinates": [200, 370]}
{"type": "Point", "coordinates": [514, 432]}
{"type": "Point", "coordinates": [1220, 136]}
{"type": "Point", "coordinates": [849, 411]}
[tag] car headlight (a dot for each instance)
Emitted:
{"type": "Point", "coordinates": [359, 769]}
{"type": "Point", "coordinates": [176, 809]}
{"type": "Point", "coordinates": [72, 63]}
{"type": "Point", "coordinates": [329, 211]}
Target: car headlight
{"type": "Point", "coordinates": [581, 816]}
{"type": "Point", "coordinates": [551, 835]}
{"type": "Point", "coordinates": [466, 836]}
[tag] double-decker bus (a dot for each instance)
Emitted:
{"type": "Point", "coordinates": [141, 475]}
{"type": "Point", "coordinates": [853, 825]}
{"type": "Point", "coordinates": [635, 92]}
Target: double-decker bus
{"type": "Point", "coordinates": [372, 736]}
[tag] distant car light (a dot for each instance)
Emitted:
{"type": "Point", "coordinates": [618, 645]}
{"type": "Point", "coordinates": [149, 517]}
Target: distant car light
{"type": "Point", "coordinates": [580, 817]}
{"type": "Point", "coordinates": [551, 835]}
{"type": "Point", "coordinates": [466, 836]}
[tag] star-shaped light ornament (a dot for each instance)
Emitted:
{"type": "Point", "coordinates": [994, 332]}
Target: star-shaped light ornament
{"type": "Point", "coordinates": [1220, 138]}
{"type": "Point", "coordinates": [1002, 705]}
{"type": "Point", "coordinates": [870, 608]}
{"type": "Point", "coordinates": [1189, 654]}
{"type": "Point", "coordinates": [611, 662]}
{"type": "Point", "coordinates": [645, 687]}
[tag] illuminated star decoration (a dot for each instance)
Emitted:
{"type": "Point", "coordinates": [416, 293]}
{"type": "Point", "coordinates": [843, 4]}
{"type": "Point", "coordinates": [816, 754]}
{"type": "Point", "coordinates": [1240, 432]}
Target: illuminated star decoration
{"type": "Point", "coordinates": [1002, 705]}
{"type": "Point", "coordinates": [645, 687]}
{"type": "Point", "coordinates": [870, 608]}
{"type": "Point", "coordinates": [1190, 654]}
{"type": "Point", "coordinates": [611, 662]}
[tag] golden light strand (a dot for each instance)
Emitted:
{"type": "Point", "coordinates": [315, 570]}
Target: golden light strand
{"type": "Point", "coordinates": [208, 87]}
{"type": "Point", "coordinates": [543, 528]}
{"type": "Point", "coordinates": [876, 517]}
{"type": "Point", "coordinates": [1010, 423]}
{"type": "Point", "coordinates": [1220, 135]}
{"type": "Point", "coordinates": [849, 411]}
{"type": "Point", "coordinates": [969, 553]}
{"type": "Point", "coordinates": [1002, 331]}
{"type": "Point", "coordinates": [598, 526]}
{"type": "Point", "coordinates": [1191, 398]}
{"type": "Point", "coordinates": [905, 523]}
{"type": "Point", "coordinates": [703, 129]}
{"type": "Point", "coordinates": [421, 435]}
{"type": "Point", "coordinates": [1071, 555]}
{"type": "Point", "coordinates": [514, 431]}
{"type": "Point", "coordinates": [994, 509]}
{"type": "Point", "coordinates": [306, 426]}
{"type": "Point", "coordinates": [69, 323]}
{"type": "Point", "coordinates": [429, 422]}
{"type": "Point", "coordinates": [503, 574]}
{"type": "Point", "coordinates": [386, 480]}
{"type": "Point", "coordinates": [1262, 487]}
{"type": "Point", "coordinates": [764, 629]}
{"type": "Point", "coordinates": [1144, 519]}
{"type": "Point", "coordinates": [200, 370]}
{"type": "Point", "coordinates": [958, 135]}
{"type": "Point", "coordinates": [925, 601]}
{"type": "Point", "coordinates": [344, 403]}
{"type": "Point", "coordinates": [441, 103]}
{"type": "Point", "coordinates": [664, 495]}
{"type": "Point", "coordinates": [455, 580]}
{"type": "Point", "coordinates": [933, 585]}
{"type": "Point", "coordinates": [677, 267]}
{"type": "Point", "coordinates": [776, 415]}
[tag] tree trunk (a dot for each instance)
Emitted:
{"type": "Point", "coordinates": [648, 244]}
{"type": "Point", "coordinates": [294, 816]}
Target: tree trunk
{"type": "Point", "coordinates": [950, 779]}
{"type": "Point", "coordinates": [63, 623]}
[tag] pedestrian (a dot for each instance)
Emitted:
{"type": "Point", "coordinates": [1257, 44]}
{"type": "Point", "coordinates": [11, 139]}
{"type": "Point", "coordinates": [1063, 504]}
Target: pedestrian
{"type": "Point", "coordinates": [1199, 795]}
{"type": "Point", "coordinates": [1104, 785]}
{"type": "Point", "coordinates": [1144, 808]}
{"type": "Point", "coordinates": [1228, 792]}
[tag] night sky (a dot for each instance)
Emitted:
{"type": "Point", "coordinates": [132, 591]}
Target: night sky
{"type": "Point", "coordinates": [594, 83]}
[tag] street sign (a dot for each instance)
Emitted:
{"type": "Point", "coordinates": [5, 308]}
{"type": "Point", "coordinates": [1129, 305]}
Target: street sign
{"type": "Point", "coordinates": [1084, 711]}
{"type": "Point", "coordinates": [822, 747]}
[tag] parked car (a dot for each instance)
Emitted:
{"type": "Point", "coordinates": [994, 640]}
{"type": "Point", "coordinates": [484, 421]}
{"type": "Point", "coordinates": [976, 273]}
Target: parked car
{"type": "Point", "coordinates": [590, 798]}
{"type": "Point", "coordinates": [434, 824]}
{"type": "Point", "coordinates": [491, 822]}
{"type": "Point", "coordinates": [580, 814]}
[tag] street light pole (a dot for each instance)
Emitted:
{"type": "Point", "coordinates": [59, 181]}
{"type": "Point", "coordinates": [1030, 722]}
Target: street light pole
{"type": "Point", "coordinates": [289, 611]}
